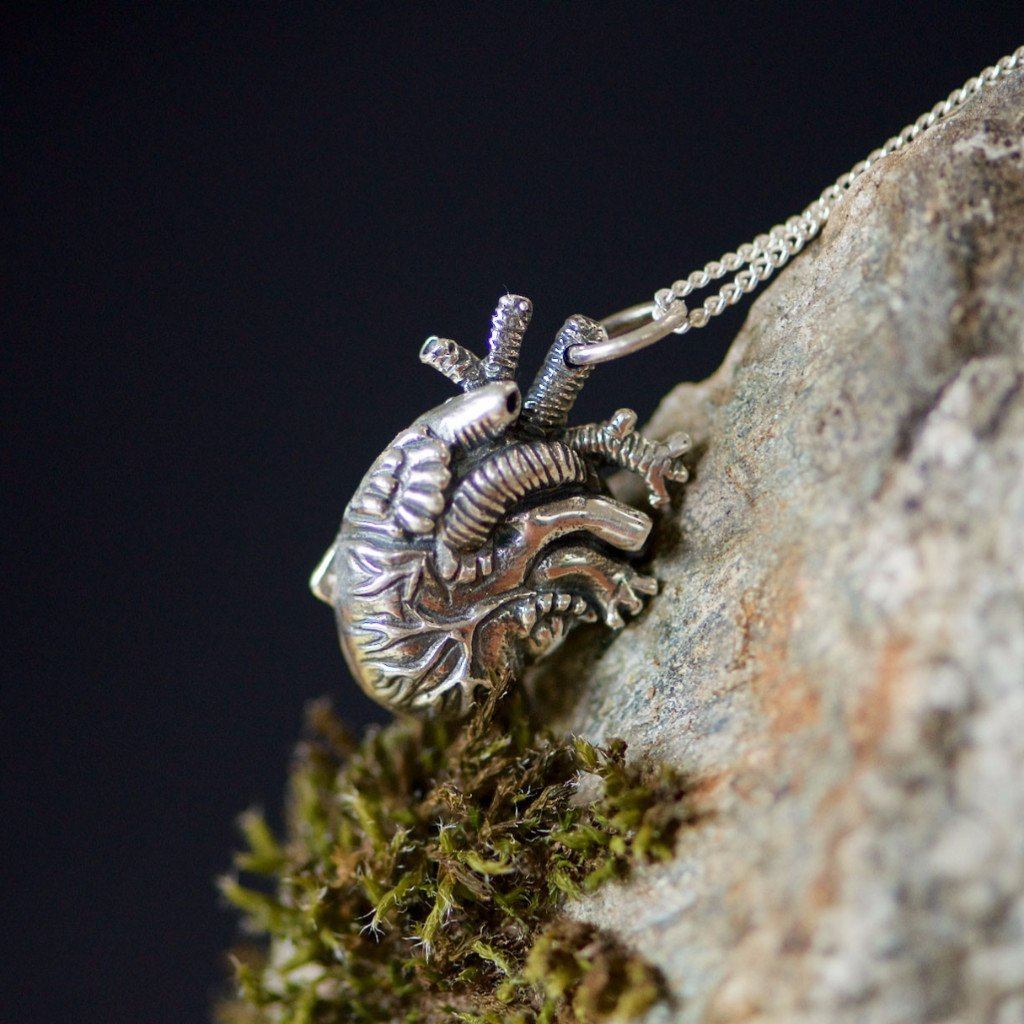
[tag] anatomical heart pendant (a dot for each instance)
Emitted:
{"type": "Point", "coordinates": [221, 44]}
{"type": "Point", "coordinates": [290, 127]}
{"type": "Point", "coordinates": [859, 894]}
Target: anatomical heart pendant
{"type": "Point", "coordinates": [485, 531]}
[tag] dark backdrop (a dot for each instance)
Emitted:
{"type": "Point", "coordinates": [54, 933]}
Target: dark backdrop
{"type": "Point", "coordinates": [232, 229]}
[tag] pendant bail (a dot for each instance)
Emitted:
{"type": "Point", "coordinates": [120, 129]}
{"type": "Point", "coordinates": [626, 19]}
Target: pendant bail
{"type": "Point", "coordinates": [629, 330]}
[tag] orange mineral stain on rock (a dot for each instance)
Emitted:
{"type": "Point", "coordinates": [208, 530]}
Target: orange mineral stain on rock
{"type": "Point", "coordinates": [705, 791]}
{"type": "Point", "coordinates": [824, 891]}
{"type": "Point", "coordinates": [767, 615]}
{"type": "Point", "coordinates": [839, 812]}
{"type": "Point", "coordinates": [872, 714]}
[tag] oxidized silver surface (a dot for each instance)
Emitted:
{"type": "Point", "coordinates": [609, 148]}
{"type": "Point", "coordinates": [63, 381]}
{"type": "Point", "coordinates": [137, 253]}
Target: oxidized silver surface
{"type": "Point", "coordinates": [485, 531]}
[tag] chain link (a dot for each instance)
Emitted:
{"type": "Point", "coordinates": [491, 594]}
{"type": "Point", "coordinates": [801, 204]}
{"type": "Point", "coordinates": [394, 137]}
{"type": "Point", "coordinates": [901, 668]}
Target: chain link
{"type": "Point", "coordinates": [768, 252]}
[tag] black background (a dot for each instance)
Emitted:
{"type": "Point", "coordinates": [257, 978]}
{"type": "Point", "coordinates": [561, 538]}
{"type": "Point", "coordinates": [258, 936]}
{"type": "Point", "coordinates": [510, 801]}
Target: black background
{"type": "Point", "coordinates": [233, 227]}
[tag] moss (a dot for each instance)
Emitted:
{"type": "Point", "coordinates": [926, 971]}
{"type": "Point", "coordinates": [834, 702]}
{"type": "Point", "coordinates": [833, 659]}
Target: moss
{"type": "Point", "coordinates": [600, 980]}
{"type": "Point", "coordinates": [424, 871]}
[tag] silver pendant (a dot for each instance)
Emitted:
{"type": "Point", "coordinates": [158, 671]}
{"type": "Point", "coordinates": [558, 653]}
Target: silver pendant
{"type": "Point", "coordinates": [485, 532]}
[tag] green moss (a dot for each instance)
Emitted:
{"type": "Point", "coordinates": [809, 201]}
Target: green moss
{"type": "Point", "coordinates": [424, 871]}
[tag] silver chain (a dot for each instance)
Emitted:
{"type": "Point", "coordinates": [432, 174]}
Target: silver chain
{"type": "Point", "coordinates": [635, 328]}
{"type": "Point", "coordinates": [767, 253]}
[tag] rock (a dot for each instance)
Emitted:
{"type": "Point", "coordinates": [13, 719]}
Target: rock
{"type": "Point", "coordinates": [837, 654]}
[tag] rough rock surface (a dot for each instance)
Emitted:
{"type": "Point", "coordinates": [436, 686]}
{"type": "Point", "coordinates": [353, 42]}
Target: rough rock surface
{"type": "Point", "coordinates": [837, 654]}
